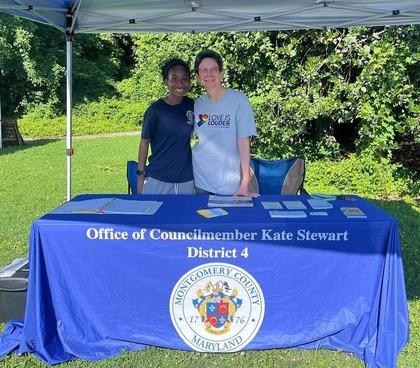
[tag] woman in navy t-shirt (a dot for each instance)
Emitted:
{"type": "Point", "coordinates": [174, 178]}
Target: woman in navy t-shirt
{"type": "Point", "coordinates": [167, 127]}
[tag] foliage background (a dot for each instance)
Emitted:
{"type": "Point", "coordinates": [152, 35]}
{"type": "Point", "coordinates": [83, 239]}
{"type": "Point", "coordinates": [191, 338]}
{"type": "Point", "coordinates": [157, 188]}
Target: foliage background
{"type": "Point", "coordinates": [333, 95]}
{"type": "Point", "coordinates": [345, 99]}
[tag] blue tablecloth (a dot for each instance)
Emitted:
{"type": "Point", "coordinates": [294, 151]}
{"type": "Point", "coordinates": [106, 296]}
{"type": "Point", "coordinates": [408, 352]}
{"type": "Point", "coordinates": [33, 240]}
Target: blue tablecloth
{"type": "Point", "coordinates": [100, 283]}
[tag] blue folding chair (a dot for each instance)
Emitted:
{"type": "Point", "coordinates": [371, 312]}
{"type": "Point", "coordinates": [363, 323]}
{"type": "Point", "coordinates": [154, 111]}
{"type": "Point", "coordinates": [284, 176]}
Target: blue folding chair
{"type": "Point", "coordinates": [285, 176]}
{"type": "Point", "coordinates": [132, 177]}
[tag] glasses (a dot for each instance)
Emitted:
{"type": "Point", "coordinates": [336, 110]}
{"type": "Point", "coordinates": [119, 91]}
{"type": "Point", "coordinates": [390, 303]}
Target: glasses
{"type": "Point", "coordinates": [213, 70]}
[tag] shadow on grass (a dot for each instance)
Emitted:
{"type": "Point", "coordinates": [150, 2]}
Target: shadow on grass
{"type": "Point", "coordinates": [408, 218]}
{"type": "Point", "coordinates": [7, 150]}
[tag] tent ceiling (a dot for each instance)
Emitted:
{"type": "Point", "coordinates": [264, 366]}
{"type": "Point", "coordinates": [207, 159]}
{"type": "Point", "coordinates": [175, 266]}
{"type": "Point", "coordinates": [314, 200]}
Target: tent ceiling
{"type": "Point", "coordinates": [151, 16]}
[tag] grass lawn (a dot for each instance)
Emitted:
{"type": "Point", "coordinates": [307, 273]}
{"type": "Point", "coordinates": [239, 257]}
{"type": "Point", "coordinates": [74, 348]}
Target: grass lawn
{"type": "Point", "coordinates": [33, 182]}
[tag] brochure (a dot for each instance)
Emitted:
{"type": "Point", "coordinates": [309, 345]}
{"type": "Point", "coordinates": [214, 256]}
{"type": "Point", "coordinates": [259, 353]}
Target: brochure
{"type": "Point", "coordinates": [229, 201]}
{"type": "Point", "coordinates": [294, 205]}
{"type": "Point", "coordinates": [212, 212]}
{"type": "Point", "coordinates": [272, 205]}
{"type": "Point", "coordinates": [318, 213]}
{"type": "Point", "coordinates": [109, 206]}
{"type": "Point", "coordinates": [287, 214]}
{"type": "Point", "coordinates": [353, 212]}
{"type": "Point", "coordinates": [325, 197]}
{"type": "Point", "coordinates": [320, 204]}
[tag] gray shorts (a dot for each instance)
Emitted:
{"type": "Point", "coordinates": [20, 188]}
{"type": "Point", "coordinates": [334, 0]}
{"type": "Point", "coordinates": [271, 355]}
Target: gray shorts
{"type": "Point", "coordinates": [153, 186]}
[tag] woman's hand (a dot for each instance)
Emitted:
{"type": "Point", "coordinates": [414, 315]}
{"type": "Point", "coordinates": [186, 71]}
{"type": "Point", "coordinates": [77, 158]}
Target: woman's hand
{"type": "Point", "coordinates": [140, 183]}
{"type": "Point", "coordinates": [244, 191]}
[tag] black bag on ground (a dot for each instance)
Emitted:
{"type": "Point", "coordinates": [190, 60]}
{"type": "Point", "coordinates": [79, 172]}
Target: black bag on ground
{"type": "Point", "coordinates": [13, 288]}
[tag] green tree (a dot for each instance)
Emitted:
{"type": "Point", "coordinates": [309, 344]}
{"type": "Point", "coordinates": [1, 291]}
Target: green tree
{"type": "Point", "coordinates": [33, 60]}
{"type": "Point", "coordinates": [13, 81]}
{"type": "Point", "coordinates": [315, 93]}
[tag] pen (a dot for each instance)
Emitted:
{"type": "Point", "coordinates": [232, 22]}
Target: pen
{"type": "Point", "coordinates": [85, 211]}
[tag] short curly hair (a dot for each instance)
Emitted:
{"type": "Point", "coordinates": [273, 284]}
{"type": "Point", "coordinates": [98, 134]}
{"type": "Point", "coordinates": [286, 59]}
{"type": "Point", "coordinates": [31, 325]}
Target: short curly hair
{"type": "Point", "coordinates": [170, 64]}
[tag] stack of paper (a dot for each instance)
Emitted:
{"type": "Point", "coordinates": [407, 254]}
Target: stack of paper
{"type": "Point", "coordinates": [109, 206]}
{"type": "Point", "coordinates": [274, 205]}
{"type": "Point", "coordinates": [320, 204]}
{"type": "Point", "coordinates": [229, 201]}
{"type": "Point", "coordinates": [294, 205]}
{"type": "Point", "coordinates": [325, 197]}
{"type": "Point", "coordinates": [134, 207]}
{"type": "Point", "coordinates": [212, 212]}
{"type": "Point", "coordinates": [287, 214]}
{"type": "Point", "coordinates": [353, 212]}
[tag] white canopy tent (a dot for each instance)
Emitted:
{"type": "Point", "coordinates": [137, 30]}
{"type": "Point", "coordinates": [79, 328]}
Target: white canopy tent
{"type": "Point", "coordinates": [125, 16]}
{"type": "Point", "coordinates": [192, 16]}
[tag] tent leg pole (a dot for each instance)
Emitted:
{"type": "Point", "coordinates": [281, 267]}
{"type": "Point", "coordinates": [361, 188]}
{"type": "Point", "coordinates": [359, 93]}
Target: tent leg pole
{"type": "Point", "coordinates": [69, 149]}
{"type": "Point", "coordinates": [1, 138]}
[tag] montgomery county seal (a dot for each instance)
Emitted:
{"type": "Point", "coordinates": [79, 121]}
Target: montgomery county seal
{"type": "Point", "coordinates": [217, 307]}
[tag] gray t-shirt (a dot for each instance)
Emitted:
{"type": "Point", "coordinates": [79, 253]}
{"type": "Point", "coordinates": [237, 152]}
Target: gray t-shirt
{"type": "Point", "coordinates": [219, 125]}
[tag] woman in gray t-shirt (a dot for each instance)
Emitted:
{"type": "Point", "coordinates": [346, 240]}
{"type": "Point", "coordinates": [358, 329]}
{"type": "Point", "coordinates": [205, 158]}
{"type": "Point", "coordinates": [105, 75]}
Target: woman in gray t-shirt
{"type": "Point", "coordinates": [224, 121]}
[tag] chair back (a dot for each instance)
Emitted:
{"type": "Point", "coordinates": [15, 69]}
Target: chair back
{"type": "Point", "coordinates": [132, 177]}
{"type": "Point", "coordinates": [285, 176]}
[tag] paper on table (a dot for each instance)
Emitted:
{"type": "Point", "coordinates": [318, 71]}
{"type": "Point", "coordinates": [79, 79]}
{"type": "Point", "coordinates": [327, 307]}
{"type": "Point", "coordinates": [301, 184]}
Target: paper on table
{"type": "Point", "coordinates": [318, 213]}
{"type": "Point", "coordinates": [229, 201]}
{"type": "Point", "coordinates": [353, 212]}
{"type": "Point", "coordinates": [287, 214]}
{"type": "Point", "coordinates": [325, 197]}
{"type": "Point", "coordinates": [275, 205]}
{"type": "Point", "coordinates": [108, 206]}
{"type": "Point", "coordinates": [212, 212]}
{"type": "Point", "coordinates": [85, 206]}
{"type": "Point", "coordinates": [320, 204]}
{"type": "Point", "coordinates": [134, 207]}
{"type": "Point", "coordinates": [294, 205]}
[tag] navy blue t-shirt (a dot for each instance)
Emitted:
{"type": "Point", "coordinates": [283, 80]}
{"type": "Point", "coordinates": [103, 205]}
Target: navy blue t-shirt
{"type": "Point", "coordinates": [169, 130]}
